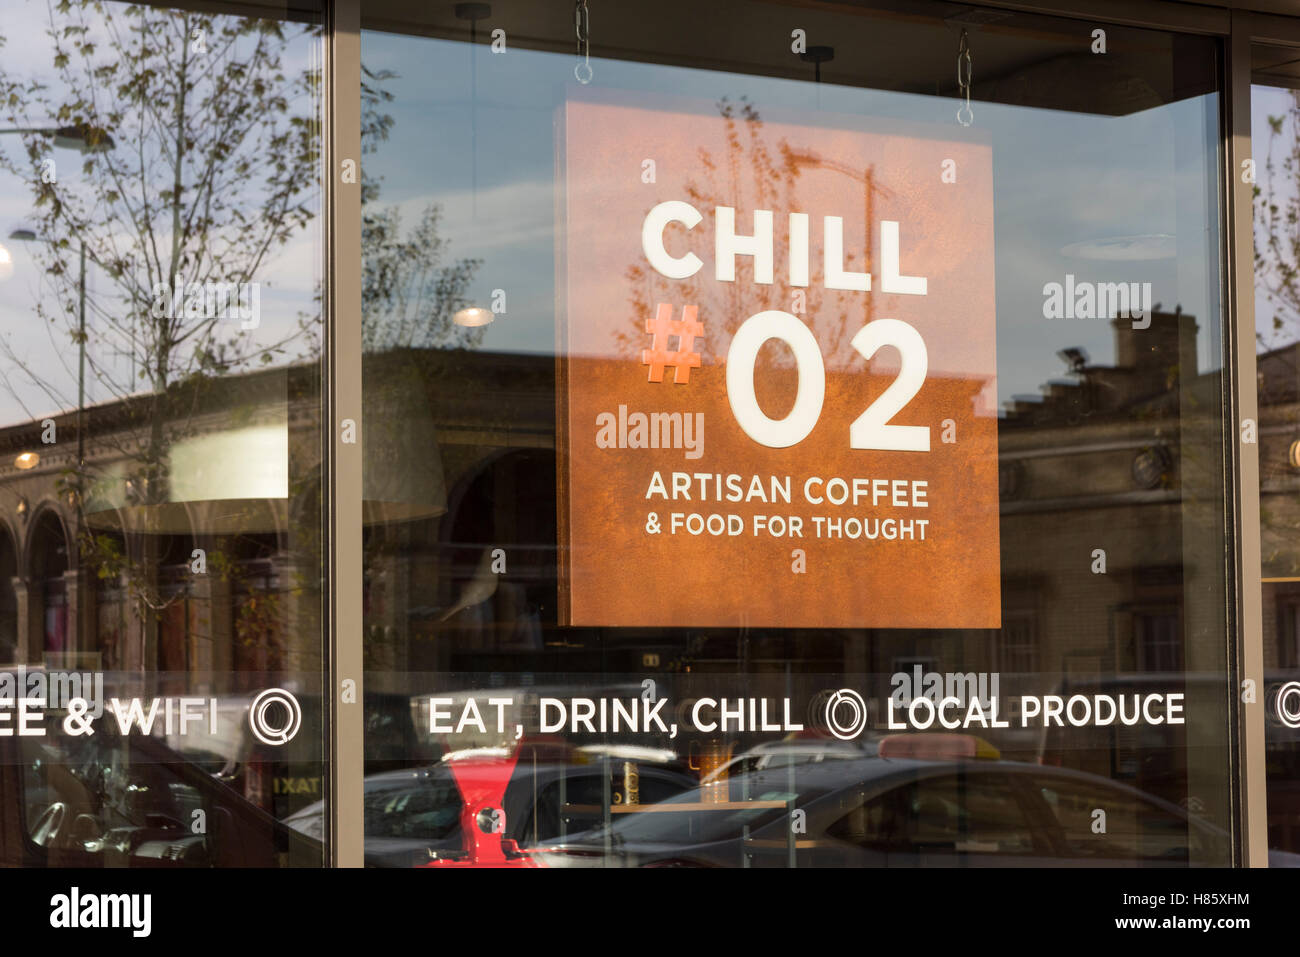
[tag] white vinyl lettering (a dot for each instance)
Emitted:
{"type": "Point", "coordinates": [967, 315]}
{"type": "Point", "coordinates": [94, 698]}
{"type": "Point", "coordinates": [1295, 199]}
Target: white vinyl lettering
{"type": "Point", "coordinates": [727, 245]}
{"type": "Point", "coordinates": [652, 239]}
{"type": "Point", "coordinates": [749, 338]}
{"type": "Point", "coordinates": [871, 430]}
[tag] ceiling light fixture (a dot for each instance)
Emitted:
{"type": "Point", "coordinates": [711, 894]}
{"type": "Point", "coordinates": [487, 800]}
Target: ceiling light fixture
{"type": "Point", "coordinates": [472, 317]}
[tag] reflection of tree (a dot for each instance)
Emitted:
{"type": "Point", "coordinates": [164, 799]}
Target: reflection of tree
{"type": "Point", "coordinates": [1277, 227]}
{"type": "Point", "coordinates": [750, 175]}
{"type": "Point", "coordinates": [408, 294]}
{"type": "Point", "coordinates": [410, 291]}
{"type": "Point", "coordinates": [202, 167]}
{"type": "Point", "coordinates": [1276, 221]}
{"type": "Point", "coordinates": [211, 172]}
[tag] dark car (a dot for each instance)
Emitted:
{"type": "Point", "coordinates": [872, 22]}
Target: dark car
{"type": "Point", "coordinates": [109, 800]}
{"type": "Point", "coordinates": [885, 812]}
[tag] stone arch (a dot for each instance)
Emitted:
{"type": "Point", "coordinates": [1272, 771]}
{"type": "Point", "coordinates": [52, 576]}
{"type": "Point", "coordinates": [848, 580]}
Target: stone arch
{"type": "Point", "coordinates": [505, 500]}
{"type": "Point", "coordinates": [51, 619]}
{"type": "Point", "coordinates": [8, 595]}
{"type": "Point", "coordinates": [45, 529]}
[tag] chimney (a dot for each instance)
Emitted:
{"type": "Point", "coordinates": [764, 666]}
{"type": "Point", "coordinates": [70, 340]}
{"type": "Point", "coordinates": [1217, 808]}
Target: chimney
{"type": "Point", "coordinates": [1151, 353]}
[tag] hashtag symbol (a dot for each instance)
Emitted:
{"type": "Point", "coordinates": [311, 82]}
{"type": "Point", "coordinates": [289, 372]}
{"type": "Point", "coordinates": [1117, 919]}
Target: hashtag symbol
{"type": "Point", "coordinates": [663, 327]}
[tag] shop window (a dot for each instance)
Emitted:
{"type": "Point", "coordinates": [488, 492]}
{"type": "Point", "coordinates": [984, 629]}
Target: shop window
{"type": "Point", "coordinates": [728, 382]}
{"type": "Point", "coordinates": [553, 309]}
{"type": "Point", "coordinates": [1130, 828]}
{"type": "Point", "coordinates": [1018, 643]}
{"type": "Point", "coordinates": [168, 412]}
{"type": "Point", "coordinates": [1288, 632]}
{"type": "Point", "coordinates": [1158, 640]}
{"type": "Point", "coordinates": [953, 815]}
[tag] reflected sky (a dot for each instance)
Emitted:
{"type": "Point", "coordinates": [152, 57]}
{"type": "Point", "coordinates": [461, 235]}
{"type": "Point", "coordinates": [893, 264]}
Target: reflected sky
{"type": "Point", "coordinates": [287, 279]}
{"type": "Point", "coordinates": [1279, 188]}
{"type": "Point", "coordinates": [475, 131]}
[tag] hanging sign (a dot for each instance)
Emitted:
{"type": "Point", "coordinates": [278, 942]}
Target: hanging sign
{"type": "Point", "coordinates": [776, 404]}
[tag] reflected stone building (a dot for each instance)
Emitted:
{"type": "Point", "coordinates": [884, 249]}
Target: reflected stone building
{"type": "Point", "coordinates": [1109, 478]}
{"type": "Point", "coordinates": [190, 566]}
{"type": "Point", "coordinates": [1095, 476]}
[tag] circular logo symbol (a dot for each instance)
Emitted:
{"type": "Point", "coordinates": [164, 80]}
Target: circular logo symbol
{"type": "Point", "coordinates": [1287, 704]}
{"type": "Point", "coordinates": [846, 703]}
{"type": "Point", "coordinates": [263, 729]}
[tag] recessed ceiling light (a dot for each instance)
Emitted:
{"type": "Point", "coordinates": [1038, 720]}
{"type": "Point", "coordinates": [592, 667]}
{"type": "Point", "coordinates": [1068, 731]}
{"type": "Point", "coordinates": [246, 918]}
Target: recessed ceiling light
{"type": "Point", "coordinates": [472, 317]}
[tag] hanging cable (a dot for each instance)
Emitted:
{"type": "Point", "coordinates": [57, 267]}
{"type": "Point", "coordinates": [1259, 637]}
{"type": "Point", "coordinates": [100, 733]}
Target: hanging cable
{"type": "Point", "coordinates": [964, 115]}
{"type": "Point", "coordinates": [582, 29]}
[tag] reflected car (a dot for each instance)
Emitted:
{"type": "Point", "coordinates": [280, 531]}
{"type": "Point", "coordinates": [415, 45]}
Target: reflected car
{"type": "Point", "coordinates": [284, 779]}
{"type": "Point", "coordinates": [1149, 757]}
{"type": "Point", "coordinates": [109, 800]}
{"type": "Point", "coordinates": [417, 816]}
{"type": "Point", "coordinates": [780, 754]}
{"type": "Point", "coordinates": [905, 812]}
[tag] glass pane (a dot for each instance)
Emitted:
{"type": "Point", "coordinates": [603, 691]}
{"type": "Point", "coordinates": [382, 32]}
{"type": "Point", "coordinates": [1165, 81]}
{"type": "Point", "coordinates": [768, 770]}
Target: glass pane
{"type": "Point", "coordinates": [1134, 829]}
{"type": "Point", "coordinates": [748, 410]}
{"type": "Point", "coordinates": [953, 816]}
{"type": "Point", "coordinates": [160, 520]}
{"type": "Point", "coordinates": [1275, 135]}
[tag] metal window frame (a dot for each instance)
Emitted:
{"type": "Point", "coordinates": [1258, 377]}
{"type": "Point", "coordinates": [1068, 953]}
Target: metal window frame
{"type": "Point", "coordinates": [345, 725]}
{"type": "Point", "coordinates": [343, 398]}
{"type": "Point", "coordinates": [1252, 782]}
{"type": "Point", "coordinates": [1246, 633]}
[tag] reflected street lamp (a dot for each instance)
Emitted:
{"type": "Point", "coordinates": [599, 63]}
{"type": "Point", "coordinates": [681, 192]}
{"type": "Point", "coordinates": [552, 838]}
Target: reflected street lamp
{"type": "Point", "coordinates": [27, 235]}
{"type": "Point", "coordinates": [86, 139]}
{"type": "Point", "coordinates": [472, 317]}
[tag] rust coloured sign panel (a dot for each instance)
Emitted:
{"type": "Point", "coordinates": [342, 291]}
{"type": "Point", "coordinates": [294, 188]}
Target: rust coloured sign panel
{"type": "Point", "coordinates": [777, 372]}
